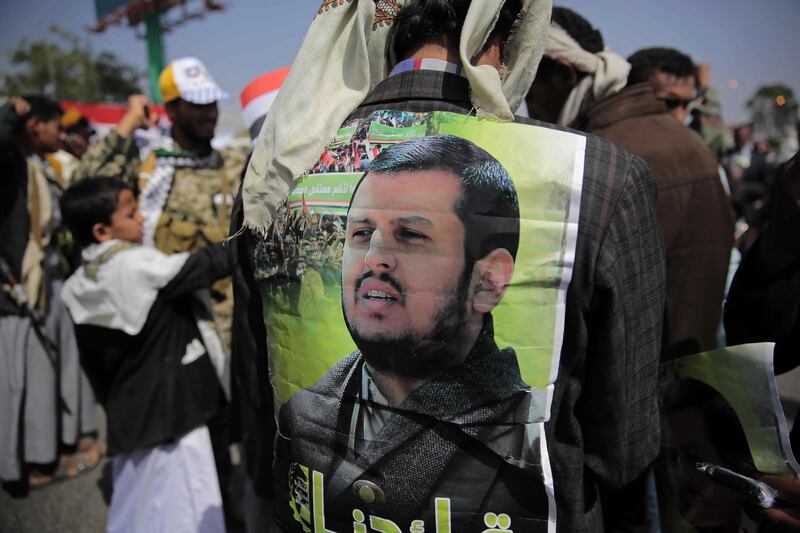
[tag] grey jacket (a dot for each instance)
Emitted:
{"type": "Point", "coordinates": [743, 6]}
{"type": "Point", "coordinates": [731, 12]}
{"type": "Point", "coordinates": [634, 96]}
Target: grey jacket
{"type": "Point", "coordinates": [461, 436]}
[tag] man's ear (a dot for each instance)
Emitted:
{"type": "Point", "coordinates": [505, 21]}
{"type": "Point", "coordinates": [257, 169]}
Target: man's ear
{"type": "Point", "coordinates": [171, 109]}
{"type": "Point", "coordinates": [494, 276]}
{"type": "Point", "coordinates": [492, 54]}
{"type": "Point", "coordinates": [32, 126]}
{"type": "Point", "coordinates": [101, 232]}
{"type": "Point", "coordinates": [566, 74]}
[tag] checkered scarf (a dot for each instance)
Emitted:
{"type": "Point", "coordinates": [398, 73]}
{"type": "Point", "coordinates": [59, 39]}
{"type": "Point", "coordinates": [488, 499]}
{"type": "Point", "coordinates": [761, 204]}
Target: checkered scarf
{"type": "Point", "coordinates": [159, 183]}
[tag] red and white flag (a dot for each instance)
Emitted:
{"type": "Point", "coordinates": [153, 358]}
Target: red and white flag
{"type": "Point", "coordinates": [257, 98]}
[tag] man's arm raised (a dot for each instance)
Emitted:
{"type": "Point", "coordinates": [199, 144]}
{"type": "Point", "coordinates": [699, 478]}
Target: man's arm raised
{"type": "Point", "coordinates": [116, 154]}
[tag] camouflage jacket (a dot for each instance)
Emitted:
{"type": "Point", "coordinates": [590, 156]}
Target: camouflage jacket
{"type": "Point", "coordinates": [197, 210]}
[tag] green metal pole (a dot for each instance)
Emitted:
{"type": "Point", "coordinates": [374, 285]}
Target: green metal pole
{"type": "Point", "coordinates": [155, 51]}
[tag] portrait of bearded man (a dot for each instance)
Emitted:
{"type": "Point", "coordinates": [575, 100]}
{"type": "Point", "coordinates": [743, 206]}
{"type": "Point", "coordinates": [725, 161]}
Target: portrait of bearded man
{"type": "Point", "coordinates": [427, 406]}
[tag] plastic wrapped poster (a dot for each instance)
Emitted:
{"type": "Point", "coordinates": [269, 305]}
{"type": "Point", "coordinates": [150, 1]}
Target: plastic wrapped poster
{"type": "Point", "coordinates": [722, 421]}
{"type": "Point", "coordinates": [414, 285]}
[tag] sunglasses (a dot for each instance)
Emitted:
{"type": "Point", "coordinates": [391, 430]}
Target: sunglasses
{"type": "Point", "coordinates": [673, 103]}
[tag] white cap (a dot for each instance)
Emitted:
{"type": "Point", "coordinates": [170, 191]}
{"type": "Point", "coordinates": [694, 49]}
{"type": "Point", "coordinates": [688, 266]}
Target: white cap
{"type": "Point", "coordinates": [188, 78]}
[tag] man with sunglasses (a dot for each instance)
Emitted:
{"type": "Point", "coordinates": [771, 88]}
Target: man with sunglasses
{"type": "Point", "coordinates": [641, 107]}
{"type": "Point", "coordinates": [646, 117]}
{"type": "Point", "coordinates": [672, 74]}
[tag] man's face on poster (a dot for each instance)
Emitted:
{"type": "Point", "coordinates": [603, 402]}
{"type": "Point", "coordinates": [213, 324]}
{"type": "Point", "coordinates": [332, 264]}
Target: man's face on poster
{"type": "Point", "coordinates": [403, 265]}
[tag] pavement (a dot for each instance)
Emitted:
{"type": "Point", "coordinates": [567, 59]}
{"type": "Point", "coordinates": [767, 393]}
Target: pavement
{"type": "Point", "coordinates": [77, 505]}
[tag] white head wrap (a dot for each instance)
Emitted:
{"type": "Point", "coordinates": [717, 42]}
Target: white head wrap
{"type": "Point", "coordinates": [346, 52]}
{"type": "Point", "coordinates": [607, 72]}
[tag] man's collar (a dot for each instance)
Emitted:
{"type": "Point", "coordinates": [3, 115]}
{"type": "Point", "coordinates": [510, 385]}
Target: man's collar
{"type": "Point", "coordinates": [422, 85]}
{"type": "Point", "coordinates": [632, 102]}
{"type": "Point", "coordinates": [170, 147]}
{"type": "Point", "coordinates": [426, 63]}
{"type": "Point", "coordinates": [370, 391]}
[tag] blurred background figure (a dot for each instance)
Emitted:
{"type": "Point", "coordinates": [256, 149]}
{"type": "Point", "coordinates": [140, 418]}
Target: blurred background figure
{"type": "Point", "coordinates": [706, 112]}
{"type": "Point", "coordinates": [79, 132]}
{"type": "Point", "coordinates": [48, 410]}
{"type": "Point", "coordinates": [751, 182]}
{"type": "Point", "coordinates": [646, 117]}
{"type": "Point", "coordinates": [764, 300]}
{"type": "Point", "coordinates": [576, 71]}
{"type": "Point", "coordinates": [671, 74]}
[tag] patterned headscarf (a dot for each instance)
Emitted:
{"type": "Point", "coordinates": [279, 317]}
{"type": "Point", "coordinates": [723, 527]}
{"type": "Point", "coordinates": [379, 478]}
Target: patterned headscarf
{"type": "Point", "coordinates": [345, 53]}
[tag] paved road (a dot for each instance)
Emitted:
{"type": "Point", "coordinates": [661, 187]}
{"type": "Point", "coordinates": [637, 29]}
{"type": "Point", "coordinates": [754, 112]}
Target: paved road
{"type": "Point", "coordinates": [78, 505]}
{"type": "Point", "coordinates": [74, 506]}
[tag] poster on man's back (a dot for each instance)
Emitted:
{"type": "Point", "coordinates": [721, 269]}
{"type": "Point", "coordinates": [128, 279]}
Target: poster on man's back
{"type": "Point", "coordinates": [721, 413]}
{"type": "Point", "coordinates": [414, 285]}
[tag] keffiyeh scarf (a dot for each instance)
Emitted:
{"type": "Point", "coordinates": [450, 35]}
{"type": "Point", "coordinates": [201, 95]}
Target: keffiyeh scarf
{"type": "Point", "coordinates": [154, 194]}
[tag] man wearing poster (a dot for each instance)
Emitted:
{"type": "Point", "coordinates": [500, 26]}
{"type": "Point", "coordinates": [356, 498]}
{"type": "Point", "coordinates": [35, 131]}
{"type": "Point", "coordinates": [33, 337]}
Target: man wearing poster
{"type": "Point", "coordinates": [589, 311]}
{"type": "Point", "coordinates": [428, 407]}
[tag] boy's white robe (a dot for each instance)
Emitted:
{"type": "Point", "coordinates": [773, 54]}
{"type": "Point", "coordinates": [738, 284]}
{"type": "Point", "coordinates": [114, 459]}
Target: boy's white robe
{"type": "Point", "coordinates": [167, 488]}
{"type": "Point", "coordinates": [122, 291]}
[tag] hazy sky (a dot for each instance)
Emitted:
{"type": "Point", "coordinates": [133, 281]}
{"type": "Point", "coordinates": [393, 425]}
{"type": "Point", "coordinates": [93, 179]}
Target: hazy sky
{"type": "Point", "coordinates": [752, 42]}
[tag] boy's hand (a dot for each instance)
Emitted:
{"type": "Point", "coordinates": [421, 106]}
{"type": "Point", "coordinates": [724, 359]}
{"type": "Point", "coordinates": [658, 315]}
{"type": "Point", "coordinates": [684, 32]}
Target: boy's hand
{"type": "Point", "coordinates": [21, 106]}
{"type": "Point", "coordinates": [785, 516]}
{"type": "Point", "coordinates": [138, 116]}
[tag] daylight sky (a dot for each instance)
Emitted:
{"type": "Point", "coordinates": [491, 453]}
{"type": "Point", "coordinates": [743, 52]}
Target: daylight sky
{"type": "Point", "coordinates": [751, 42]}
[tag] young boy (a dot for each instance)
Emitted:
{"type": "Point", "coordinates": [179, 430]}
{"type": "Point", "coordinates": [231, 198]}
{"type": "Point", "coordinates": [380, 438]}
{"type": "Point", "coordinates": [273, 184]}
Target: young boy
{"type": "Point", "coordinates": [154, 366]}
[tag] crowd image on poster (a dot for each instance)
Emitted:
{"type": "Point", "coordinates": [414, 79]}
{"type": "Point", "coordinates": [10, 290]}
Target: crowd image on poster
{"type": "Point", "coordinates": [722, 409]}
{"type": "Point", "coordinates": [414, 290]}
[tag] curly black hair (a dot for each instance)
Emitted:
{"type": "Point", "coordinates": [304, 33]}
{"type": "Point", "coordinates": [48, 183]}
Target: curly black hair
{"type": "Point", "coordinates": [421, 22]}
{"type": "Point", "coordinates": [668, 60]}
{"type": "Point", "coordinates": [579, 29]}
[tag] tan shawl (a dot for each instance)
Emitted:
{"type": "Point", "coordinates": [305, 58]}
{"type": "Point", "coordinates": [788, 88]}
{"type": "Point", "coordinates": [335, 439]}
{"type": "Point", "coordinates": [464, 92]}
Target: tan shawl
{"type": "Point", "coordinates": [345, 53]}
{"type": "Point", "coordinates": [40, 209]}
{"type": "Point", "coordinates": [607, 72]}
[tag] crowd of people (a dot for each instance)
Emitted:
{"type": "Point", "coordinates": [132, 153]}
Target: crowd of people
{"type": "Point", "coordinates": [133, 273]}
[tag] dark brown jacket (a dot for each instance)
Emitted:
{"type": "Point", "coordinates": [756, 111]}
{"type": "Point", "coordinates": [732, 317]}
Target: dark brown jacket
{"type": "Point", "coordinates": [695, 212]}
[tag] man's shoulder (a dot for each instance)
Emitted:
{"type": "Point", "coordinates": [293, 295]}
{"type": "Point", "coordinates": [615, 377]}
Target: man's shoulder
{"type": "Point", "coordinates": [335, 379]}
{"type": "Point", "coordinates": [332, 383]}
{"type": "Point", "coordinates": [314, 404]}
{"type": "Point", "coordinates": [675, 153]}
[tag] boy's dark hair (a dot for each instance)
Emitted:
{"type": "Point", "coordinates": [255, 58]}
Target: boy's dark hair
{"type": "Point", "coordinates": [421, 22]}
{"type": "Point", "coordinates": [88, 202]}
{"type": "Point", "coordinates": [42, 107]}
{"type": "Point", "coordinates": [579, 29]}
{"type": "Point", "coordinates": [668, 60]}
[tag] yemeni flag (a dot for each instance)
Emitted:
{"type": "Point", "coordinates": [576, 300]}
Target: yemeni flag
{"type": "Point", "coordinates": [104, 116]}
{"type": "Point", "coordinates": [257, 98]}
